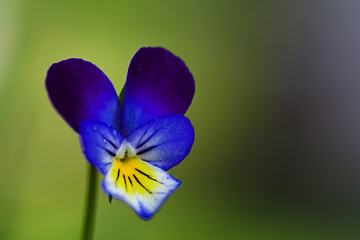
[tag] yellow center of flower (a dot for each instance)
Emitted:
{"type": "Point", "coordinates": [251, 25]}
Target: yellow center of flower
{"type": "Point", "coordinates": [133, 174]}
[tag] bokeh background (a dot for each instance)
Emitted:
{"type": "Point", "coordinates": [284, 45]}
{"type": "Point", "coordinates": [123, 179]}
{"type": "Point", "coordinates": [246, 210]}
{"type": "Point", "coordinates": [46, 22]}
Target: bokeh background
{"type": "Point", "coordinates": [276, 114]}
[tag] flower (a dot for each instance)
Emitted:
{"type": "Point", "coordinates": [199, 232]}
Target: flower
{"type": "Point", "coordinates": [133, 140]}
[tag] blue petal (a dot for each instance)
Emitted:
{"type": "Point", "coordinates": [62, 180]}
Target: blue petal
{"type": "Point", "coordinates": [79, 90]}
{"type": "Point", "coordinates": [100, 143]}
{"type": "Point", "coordinates": [158, 83]}
{"type": "Point", "coordinates": [163, 141]}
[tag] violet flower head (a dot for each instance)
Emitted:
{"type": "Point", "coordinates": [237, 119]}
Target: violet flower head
{"type": "Point", "coordinates": [133, 140]}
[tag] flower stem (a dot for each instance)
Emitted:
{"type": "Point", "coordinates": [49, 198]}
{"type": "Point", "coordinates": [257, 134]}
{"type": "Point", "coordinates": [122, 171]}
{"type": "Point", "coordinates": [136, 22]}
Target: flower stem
{"type": "Point", "coordinates": [89, 216]}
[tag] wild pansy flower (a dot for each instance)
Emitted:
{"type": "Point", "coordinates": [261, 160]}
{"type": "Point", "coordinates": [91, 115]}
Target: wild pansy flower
{"type": "Point", "coordinates": [133, 140]}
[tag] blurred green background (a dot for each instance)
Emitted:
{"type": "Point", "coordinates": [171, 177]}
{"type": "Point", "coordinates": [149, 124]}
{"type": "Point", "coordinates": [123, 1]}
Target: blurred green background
{"type": "Point", "coordinates": [275, 114]}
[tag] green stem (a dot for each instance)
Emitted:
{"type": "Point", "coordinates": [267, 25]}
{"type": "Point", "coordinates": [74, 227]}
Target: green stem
{"type": "Point", "coordinates": [89, 216]}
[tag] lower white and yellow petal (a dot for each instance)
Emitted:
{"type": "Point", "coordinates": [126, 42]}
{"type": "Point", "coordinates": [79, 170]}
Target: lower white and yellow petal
{"type": "Point", "coordinates": [142, 186]}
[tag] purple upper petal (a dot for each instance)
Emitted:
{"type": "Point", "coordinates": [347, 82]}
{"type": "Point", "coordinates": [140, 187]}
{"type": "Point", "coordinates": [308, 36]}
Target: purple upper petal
{"type": "Point", "coordinates": [158, 83]}
{"type": "Point", "coordinates": [79, 90]}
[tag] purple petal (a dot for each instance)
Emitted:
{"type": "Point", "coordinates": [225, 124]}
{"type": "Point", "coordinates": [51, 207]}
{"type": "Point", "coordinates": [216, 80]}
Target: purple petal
{"type": "Point", "coordinates": [79, 90]}
{"type": "Point", "coordinates": [158, 83]}
{"type": "Point", "coordinates": [100, 143]}
{"type": "Point", "coordinates": [163, 141]}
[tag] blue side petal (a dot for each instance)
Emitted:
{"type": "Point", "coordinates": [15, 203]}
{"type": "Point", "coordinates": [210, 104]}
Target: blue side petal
{"type": "Point", "coordinates": [79, 90]}
{"type": "Point", "coordinates": [163, 141]}
{"type": "Point", "coordinates": [158, 83]}
{"type": "Point", "coordinates": [100, 143]}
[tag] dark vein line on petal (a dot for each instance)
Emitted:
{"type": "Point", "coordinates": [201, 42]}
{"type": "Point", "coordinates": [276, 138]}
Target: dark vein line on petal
{"type": "Point", "coordinates": [148, 176]}
{"type": "Point", "coordinates": [101, 146]}
{"type": "Point", "coordinates": [111, 153]}
{"type": "Point", "coordinates": [131, 184]}
{"type": "Point", "coordinates": [130, 180]}
{"type": "Point", "coordinates": [125, 182]}
{"type": "Point", "coordinates": [118, 174]}
{"type": "Point", "coordinates": [145, 150]}
{"type": "Point", "coordinates": [142, 144]}
{"type": "Point", "coordinates": [146, 130]}
{"type": "Point", "coordinates": [113, 144]}
{"type": "Point", "coordinates": [141, 184]}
